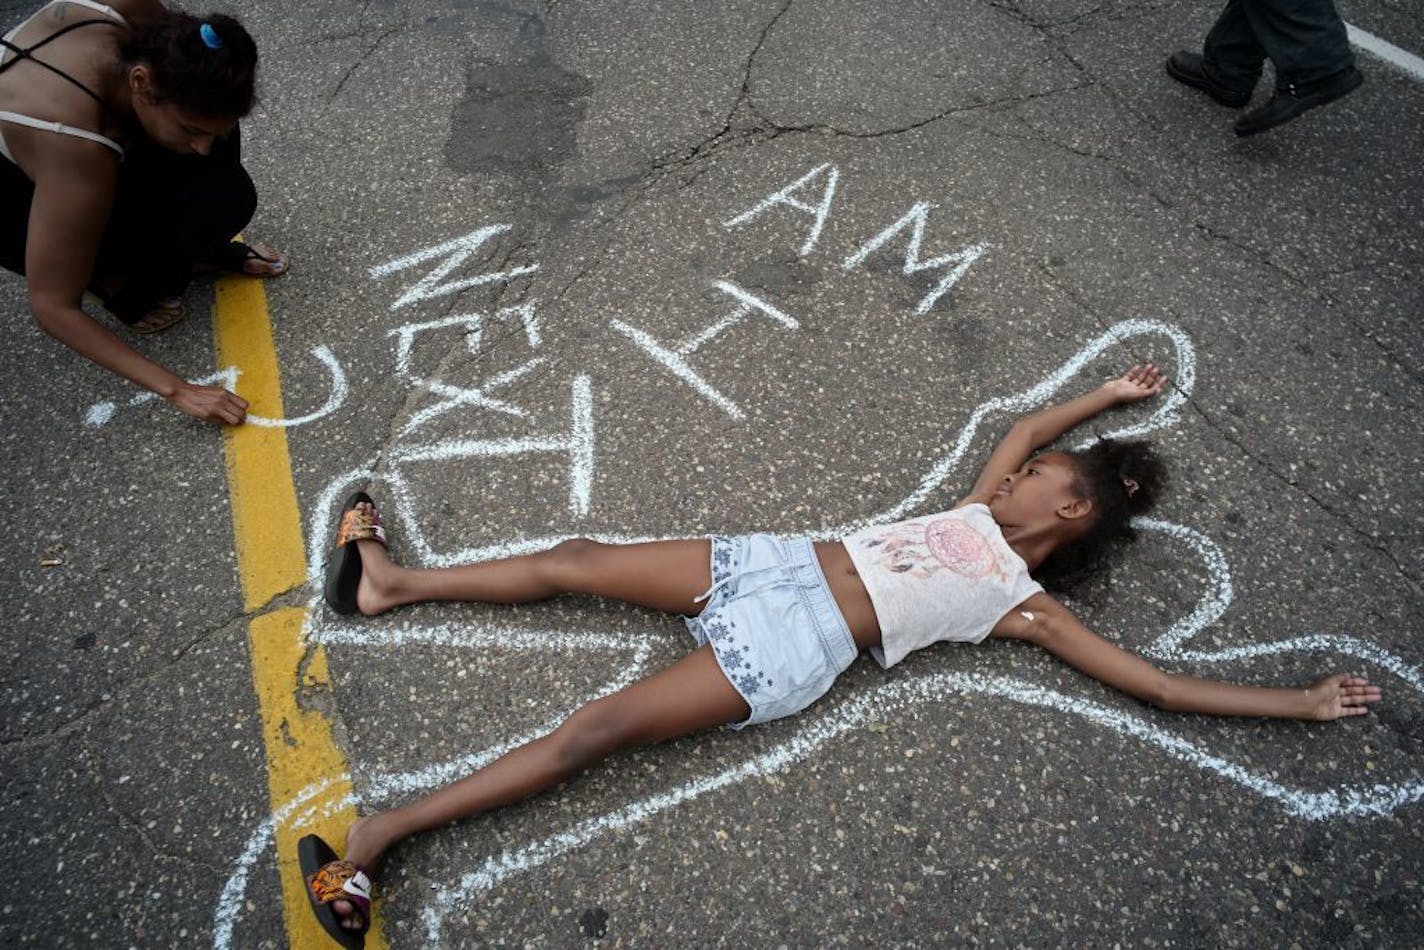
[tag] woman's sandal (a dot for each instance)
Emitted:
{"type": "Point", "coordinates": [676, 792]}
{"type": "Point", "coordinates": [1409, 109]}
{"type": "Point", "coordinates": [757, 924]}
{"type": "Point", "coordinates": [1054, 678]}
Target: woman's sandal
{"type": "Point", "coordinates": [343, 568]}
{"type": "Point", "coordinates": [165, 313]}
{"type": "Point", "coordinates": [330, 879]}
{"type": "Point", "coordinates": [235, 256]}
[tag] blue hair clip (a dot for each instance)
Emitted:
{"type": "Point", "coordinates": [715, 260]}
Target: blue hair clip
{"type": "Point", "coordinates": [210, 36]}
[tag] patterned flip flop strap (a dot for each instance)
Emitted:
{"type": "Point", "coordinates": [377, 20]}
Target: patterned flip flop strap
{"type": "Point", "coordinates": [341, 881]}
{"type": "Point", "coordinates": [358, 525]}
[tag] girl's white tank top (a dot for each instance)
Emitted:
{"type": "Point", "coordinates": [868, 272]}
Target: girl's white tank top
{"type": "Point", "coordinates": [948, 576]}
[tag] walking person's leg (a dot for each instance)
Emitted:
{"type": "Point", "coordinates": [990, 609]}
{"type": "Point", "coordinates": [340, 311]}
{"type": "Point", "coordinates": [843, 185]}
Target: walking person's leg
{"type": "Point", "coordinates": [1232, 52]}
{"type": "Point", "coordinates": [1230, 62]}
{"type": "Point", "coordinates": [1305, 39]}
{"type": "Point", "coordinates": [1307, 43]}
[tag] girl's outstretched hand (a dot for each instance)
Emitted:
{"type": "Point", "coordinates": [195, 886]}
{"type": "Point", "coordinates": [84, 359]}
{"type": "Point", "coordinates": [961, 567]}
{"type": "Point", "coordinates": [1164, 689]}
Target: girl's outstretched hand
{"type": "Point", "coordinates": [1340, 695]}
{"type": "Point", "coordinates": [1140, 382]}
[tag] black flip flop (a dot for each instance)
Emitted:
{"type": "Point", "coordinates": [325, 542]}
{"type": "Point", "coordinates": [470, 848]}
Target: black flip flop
{"type": "Point", "coordinates": [233, 256]}
{"type": "Point", "coordinates": [343, 567]}
{"type": "Point", "coordinates": [313, 854]}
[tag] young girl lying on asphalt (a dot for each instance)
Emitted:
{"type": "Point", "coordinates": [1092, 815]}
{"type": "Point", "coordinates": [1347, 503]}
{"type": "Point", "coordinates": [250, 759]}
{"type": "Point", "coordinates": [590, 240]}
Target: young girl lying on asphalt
{"type": "Point", "coordinates": [777, 619]}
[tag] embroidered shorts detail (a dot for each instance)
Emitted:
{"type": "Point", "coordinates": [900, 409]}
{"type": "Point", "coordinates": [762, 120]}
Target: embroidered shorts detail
{"type": "Point", "coordinates": [773, 624]}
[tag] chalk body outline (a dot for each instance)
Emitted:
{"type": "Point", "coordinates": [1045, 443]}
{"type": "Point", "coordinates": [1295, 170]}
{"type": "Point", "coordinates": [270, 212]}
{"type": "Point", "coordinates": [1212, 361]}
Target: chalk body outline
{"type": "Point", "coordinates": [1381, 799]}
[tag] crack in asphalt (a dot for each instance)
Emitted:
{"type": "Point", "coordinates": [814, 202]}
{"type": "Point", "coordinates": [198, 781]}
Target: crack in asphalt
{"type": "Point", "coordinates": [1285, 478]}
{"type": "Point", "coordinates": [132, 824]}
{"type": "Point", "coordinates": [1056, 42]}
{"type": "Point", "coordinates": [1320, 295]}
{"type": "Point", "coordinates": [696, 156]}
{"type": "Point", "coordinates": [360, 61]}
{"type": "Point", "coordinates": [634, 197]}
{"type": "Point", "coordinates": [744, 95]}
{"type": "Point", "coordinates": [1132, 11]}
{"type": "Point", "coordinates": [294, 596]}
{"type": "Point", "coordinates": [121, 690]}
{"type": "Point", "coordinates": [683, 157]}
{"type": "Point", "coordinates": [1046, 30]}
{"type": "Point", "coordinates": [766, 129]}
{"type": "Point", "coordinates": [1261, 461]}
{"type": "Point", "coordinates": [921, 123]}
{"type": "Point", "coordinates": [360, 30]}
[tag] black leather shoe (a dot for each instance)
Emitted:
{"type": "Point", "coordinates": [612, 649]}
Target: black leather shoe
{"type": "Point", "coordinates": [1188, 69]}
{"type": "Point", "coordinates": [1293, 99]}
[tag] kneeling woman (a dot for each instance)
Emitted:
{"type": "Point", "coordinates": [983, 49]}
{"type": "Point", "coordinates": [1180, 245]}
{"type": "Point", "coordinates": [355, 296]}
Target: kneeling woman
{"type": "Point", "coordinates": [781, 618]}
{"type": "Point", "coordinates": [120, 174]}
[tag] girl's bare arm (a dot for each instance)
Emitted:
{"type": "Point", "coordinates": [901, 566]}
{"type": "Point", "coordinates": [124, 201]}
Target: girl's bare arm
{"type": "Point", "coordinates": [1044, 621]}
{"type": "Point", "coordinates": [1034, 431]}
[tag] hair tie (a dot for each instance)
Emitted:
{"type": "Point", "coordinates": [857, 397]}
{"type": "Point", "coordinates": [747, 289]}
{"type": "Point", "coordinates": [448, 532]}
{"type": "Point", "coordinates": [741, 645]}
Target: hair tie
{"type": "Point", "coordinates": [1130, 486]}
{"type": "Point", "coordinates": [210, 36]}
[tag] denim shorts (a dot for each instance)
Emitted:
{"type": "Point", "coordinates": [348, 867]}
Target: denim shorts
{"type": "Point", "coordinates": [773, 624]}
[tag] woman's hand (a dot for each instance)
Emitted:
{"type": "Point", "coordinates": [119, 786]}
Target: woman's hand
{"type": "Point", "coordinates": [1140, 382]}
{"type": "Point", "coordinates": [210, 403]}
{"type": "Point", "coordinates": [1340, 695]}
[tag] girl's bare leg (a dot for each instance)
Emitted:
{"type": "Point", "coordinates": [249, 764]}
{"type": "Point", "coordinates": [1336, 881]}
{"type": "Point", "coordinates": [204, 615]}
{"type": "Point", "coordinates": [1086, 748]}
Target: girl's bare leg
{"type": "Point", "coordinates": [664, 575]}
{"type": "Point", "coordinates": [689, 696]}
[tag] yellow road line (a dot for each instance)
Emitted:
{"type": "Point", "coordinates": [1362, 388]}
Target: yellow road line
{"type": "Point", "coordinates": [271, 559]}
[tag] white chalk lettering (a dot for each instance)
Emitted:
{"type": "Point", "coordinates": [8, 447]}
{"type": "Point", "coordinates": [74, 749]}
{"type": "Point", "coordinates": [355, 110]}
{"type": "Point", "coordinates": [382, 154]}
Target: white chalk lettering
{"type": "Point", "coordinates": [791, 743]}
{"type": "Point", "coordinates": [453, 396]}
{"type": "Point", "coordinates": [674, 359]}
{"type": "Point", "coordinates": [783, 197]}
{"type": "Point", "coordinates": [577, 443]}
{"type": "Point", "coordinates": [455, 253]}
{"type": "Point", "coordinates": [958, 262]}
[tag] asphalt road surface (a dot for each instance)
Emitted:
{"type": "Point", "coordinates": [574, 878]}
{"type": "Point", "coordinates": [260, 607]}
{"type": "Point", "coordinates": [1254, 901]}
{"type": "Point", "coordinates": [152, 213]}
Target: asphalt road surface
{"type": "Point", "coordinates": [641, 270]}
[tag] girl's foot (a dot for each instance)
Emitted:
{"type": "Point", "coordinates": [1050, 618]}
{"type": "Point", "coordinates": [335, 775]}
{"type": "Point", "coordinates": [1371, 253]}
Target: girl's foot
{"type": "Point", "coordinates": [338, 890]}
{"type": "Point", "coordinates": [366, 842]}
{"type": "Point", "coordinates": [360, 576]}
{"type": "Point", "coordinates": [375, 592]}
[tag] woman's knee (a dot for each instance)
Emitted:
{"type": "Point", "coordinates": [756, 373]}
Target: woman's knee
{"type": "Point", "coordinates": [237, 204]}
{"type": "Point", "coordinates": [201, 204]}
{"type": "Point", "coordinates": [226, 206]}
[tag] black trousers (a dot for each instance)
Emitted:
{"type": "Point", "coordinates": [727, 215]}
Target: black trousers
{"type": "Point", "coordinates": [1304, 38]}
{"type": "Point", "coordinates": [170, 211]}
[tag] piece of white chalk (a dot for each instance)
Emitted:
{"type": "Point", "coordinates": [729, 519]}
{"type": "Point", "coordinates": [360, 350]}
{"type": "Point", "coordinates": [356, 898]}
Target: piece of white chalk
{"type": "Point", "coordinates": [1027, 615]}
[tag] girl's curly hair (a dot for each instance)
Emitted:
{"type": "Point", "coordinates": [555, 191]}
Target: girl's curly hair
{"type": "Point", "coordinates": [217, 82]}
{"type": "Point", "coordinates": [1122, 480]}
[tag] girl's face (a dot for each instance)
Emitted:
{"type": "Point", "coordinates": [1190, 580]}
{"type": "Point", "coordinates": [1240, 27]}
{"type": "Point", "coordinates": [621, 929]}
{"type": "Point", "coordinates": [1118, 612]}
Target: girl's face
{"type": "Point", "coordinates": [1043, 488]}
{"type": "Point", "coordinates": [175, 129]}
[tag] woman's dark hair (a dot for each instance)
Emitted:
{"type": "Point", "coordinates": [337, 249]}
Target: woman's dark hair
{"type": "Point", "coordinates": [209, 72]}
{"type": "Point", "coordinates": [1122, 480]}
